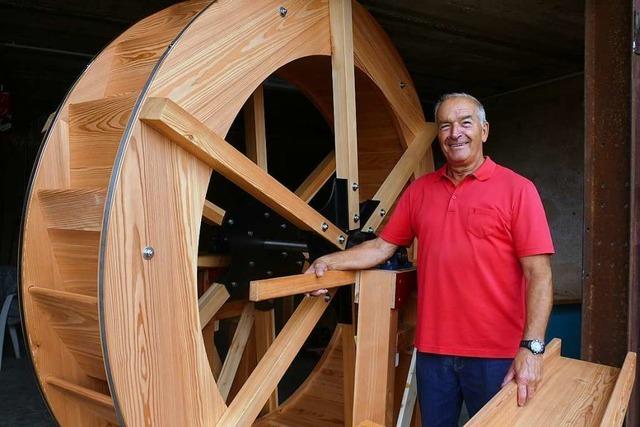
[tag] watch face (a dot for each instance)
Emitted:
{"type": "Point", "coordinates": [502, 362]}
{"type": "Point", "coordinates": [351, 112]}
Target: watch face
{"type": "Point", "coordinates": [536, 346]}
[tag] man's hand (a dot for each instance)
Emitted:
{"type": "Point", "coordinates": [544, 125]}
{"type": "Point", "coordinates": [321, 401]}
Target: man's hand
{"type": "Point", "coordinates": [318, 267]}
{"type": "Point", "coordinates": [527, 372]}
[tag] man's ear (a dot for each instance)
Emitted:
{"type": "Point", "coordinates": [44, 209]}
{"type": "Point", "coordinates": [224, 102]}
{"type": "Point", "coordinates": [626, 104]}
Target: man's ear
{"type": "Point", "coordinates": [485, 131]}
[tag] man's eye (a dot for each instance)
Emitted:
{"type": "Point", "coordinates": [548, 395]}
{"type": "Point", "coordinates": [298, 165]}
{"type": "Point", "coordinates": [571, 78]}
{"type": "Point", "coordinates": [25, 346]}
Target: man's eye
{"type": "Point", "coordinates": [444, 127]}
{"type": "Point", "coordinates": [467, 123]}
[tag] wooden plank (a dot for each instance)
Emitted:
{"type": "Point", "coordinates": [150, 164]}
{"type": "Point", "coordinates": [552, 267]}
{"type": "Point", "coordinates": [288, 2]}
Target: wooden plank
{"type": "Point", "coordinates": [254, 129]}
{"type": "Point", "coordinates": [231, 362]}
{"type": "Point", "coordinates": [344, 103]}
{"type": "Point", "coordinates": [95, 129]}
{"type": "Point", "coordinates": [265, 330]}
{"type": "Point", "coordinates": [619, 400]}
{"type": "Point", "coordinates": [213, 261]}
{"type": "Point", "coordinates": [407, 407]}
{"type": "Point", "coordinates": [317, 178]}
{"type": "Point", "coordinates": [210, 302]}
{"type": "Point", "coordinates": [74, 318]}
{"type": "Point", "coordinates": [400, 174]}
{"type": "Point", "coordinates": [256, 391]}
{"type": "Point", "coordinates": [213, 213]}
{"type": "Point", "coordinates": [277, 287]}
{"type": "Point", "coordinates": [230, 310]}
{"type": "Point", "coordinates": [185, 130]}
{"type": "Point", "coordinates": [210, 347]}
{"type": "Point", "coordinates": [73, 209]}
{"type": "Point", "coordinates": [76, 256]}
{"type": "Point", "coordinates": [99, 403]}
{"type": "Point", "coordinates": [348, 371]}
{"type": "Point", "coordinates": [373, 383]}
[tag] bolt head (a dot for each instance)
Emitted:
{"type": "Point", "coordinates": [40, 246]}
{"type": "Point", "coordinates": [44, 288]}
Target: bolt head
{"type": "Point", "coordinates": [283, 11]}
{"type": "Point", "coordinates": [269, 273]}
{"type": "Point", "coordinates": [252, 263]}
{"type": "Point", "coordinates": [403, 85]}
{"type": "Point", "coordinates": [356, 218]}
{"type": "Point", "coordinates": [267, 214]}
{"type": "Point", "coordinates": [370, 230]}
{"type": "Point", "coordinates": [355, 186]}
{"type": "Point", "coordinates": [383, 212]}
{"type": "Point", "coordinates": [148, 253]}
{"type": "Point", "coordinates": [234, 284]}
{"type": "Point", "coordinates": [250, 233]}
{"type": "Point", "coordinates": [341, 239]}
{"type": "Point", "coordinates": [283, 226]}
{"type": "Point", "coordinates": [230, 221]}
{"type": "Point", "coordinates": [325, 226]}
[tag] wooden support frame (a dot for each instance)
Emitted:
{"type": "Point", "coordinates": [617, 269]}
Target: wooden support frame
{"type": "Point", "coordinates": [210, 302]}
{"type": "Point", "coordinates": [277, 287]}
{"type": "Point", "coordinates": [317, 178]}
{"type": "Point", "coordinates": [168, 118]}
{"type": "Point", "coordinates": [212, 213]}
{"type": "Point", "coordinates": [256, 391]}
{"type": "Point", "coordinates": [255, 129]}
{"type": "Point", "coordinates": [390, 189]}
{"type": "Point", "coordinates": [265, 332]}
{"type": "Point", "coordinates": [344, 104]}
{"type": "Point", "coordinates": [238, 344]}
{"type": "Point", "coordinates": [375, 350]}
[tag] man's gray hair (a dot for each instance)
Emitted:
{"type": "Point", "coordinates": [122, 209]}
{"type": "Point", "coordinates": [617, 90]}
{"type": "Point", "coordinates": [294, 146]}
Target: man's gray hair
{"type": "Point", "coordinates": [482, 115]}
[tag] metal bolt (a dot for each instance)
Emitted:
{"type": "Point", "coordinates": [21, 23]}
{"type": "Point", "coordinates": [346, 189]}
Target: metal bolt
{"type": "Point", "coordinates": [327, 297]}
{"type": "Point", "coordinates": [267, 214]}
{"type": "Point", "coordinates": [148, 253]}
{"type": "Point", "coordinates": [299, 263]}
{"type": "Point", "coordinates": [370, 230]}
{"type": "Point", "coordinates": [283, 226]}
{"type": "Point", "coordinates": [355, 186]}
{"type": "Point", "coordinates": [250, 233]}
{"type": "Point", "coordinates": [403, 85]}
{"type": "Point", "coordinates": [284, 254]}
{"type": "Point", "coordinates": [356, 218]}
{"type": "Point", "coordinates": [269, 273]}
{"type": "Point", "coordinates": [283, 11]}
{"type": "Point", "coordinates": [383, 212]}
{"type": "Point", "coordinates": [341, 239]}
{"type": "Point", "coordinates": [230, 221]}
{"type": "Point", "coordinates": [234, 284]}
{"type": "Point", "coordinates": [325, 226]}
{"type": "Point", "coordinates": [252, 263]}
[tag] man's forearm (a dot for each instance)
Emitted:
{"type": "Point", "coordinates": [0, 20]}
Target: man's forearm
{"type": "Point", "coordinates": [363, 256]}
{"type": "Point", "coordinates": [539, 297]}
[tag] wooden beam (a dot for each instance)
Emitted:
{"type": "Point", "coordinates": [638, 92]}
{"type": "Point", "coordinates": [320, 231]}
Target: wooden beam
{"type": "Point", "coordinates": [213, 261]}
{"type": "Point", "coordinates": [344, 103]}
{"type": "Point", "coordinates": [407, 407]}
{"type": "Point", "coordinates": [317, 178]}
{"type": "Point", "coordinates": [400, 174]}
{"type": "Point", "coordinates": [214, 214]}
{"type": "Point", "coordinates": [265, 330]}
{"type": "Point", "coordinates": [210, 302]}
{"type": "Point", "coordinates": [348, 371]}
{"type": "Point", "coordinates": [99, 403]}
{"type": "Point", "coordinates": [171, 120]}
{"type": "Point", "coordinates": [230, 310]}
{"type": "Point", "coordinates": [277, 287]}
{"type": "Point", "coordinates": [375, 350]}
{"type": "Point", "coordinates": [256, 391]}
{"type": "Point", "coordinates": [231, 362]}
{"type": "Point", "coordinates": [254, 129]}
{"type": "Point", "coordinates": [619, 400]}
{"type": "Point", "coordinates": [210, 347]}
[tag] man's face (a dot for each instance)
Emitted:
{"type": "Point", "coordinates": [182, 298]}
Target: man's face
{"type": "Point", "coordinates": [460, 132]}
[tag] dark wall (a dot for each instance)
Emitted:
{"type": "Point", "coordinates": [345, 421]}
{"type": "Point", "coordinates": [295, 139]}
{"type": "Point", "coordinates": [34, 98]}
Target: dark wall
{"type": "Point", "coordinates": [539, 133]}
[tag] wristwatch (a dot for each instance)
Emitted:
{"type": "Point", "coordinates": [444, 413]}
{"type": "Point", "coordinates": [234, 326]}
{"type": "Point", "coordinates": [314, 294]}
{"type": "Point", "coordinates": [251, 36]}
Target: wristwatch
{"type": "Point", "coordinates": [534, 346]}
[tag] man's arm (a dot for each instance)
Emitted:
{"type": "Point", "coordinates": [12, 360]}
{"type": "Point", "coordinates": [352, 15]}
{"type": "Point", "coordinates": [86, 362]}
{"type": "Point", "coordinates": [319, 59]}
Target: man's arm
{"type": "Point", "coordinates": [527, 367]}
{"type": "Point", "coordinates": [360, 257]}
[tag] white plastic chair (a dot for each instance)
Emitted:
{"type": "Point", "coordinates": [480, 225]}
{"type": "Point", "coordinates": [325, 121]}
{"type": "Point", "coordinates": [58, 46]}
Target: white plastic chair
{"type": "Point", "coordinates": [8, 318]}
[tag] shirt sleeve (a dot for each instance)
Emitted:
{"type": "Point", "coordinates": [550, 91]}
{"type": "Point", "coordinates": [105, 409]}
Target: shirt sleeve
{"type": "Point", "coordinates": [399, 230]}
{"type": "Point", "coordinates": [531, 235]}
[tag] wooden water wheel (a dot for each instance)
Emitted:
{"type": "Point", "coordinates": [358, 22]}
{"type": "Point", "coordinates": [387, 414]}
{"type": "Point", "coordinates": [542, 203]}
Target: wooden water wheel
{"type": "Point", "coordinates": [110, 238]}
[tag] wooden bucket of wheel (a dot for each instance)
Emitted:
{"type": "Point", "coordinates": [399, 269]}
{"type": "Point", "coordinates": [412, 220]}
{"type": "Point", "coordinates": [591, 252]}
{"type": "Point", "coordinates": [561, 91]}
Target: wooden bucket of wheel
{"type": "Point", "coordinates": [110, 243]}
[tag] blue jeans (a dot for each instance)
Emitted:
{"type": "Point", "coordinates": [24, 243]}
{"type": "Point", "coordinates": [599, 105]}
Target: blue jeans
{"type": "Point", "coordinates": [444, 382]}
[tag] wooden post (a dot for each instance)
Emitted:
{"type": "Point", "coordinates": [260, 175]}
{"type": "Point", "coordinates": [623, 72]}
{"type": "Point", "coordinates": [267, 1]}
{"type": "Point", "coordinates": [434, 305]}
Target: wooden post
{"type": "Point", "coordinates": [375, 350]}
{"type": "Point", "coordinates": [265, 331]}
{"type": "Point", "coordinates": [348, 365]}
{"type": "Point", "coordinates": [344, 103]}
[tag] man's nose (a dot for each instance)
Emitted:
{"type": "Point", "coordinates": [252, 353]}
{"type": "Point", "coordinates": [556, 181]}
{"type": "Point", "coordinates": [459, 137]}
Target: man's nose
{"type": "Point", "coordinates": [456, 131]}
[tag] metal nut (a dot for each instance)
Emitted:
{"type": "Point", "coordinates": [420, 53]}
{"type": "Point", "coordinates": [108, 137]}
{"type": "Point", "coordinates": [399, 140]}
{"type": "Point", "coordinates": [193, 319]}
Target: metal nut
{"type": "Point", "coordinates": [355, 186]}
{"type": "Point", "coordinates": [403, 85]}
{"type": "Point", "coordinates": [283, 11]}
{"type": "Point", "coordinates": [383, 212]}
{"type": "Point", "coordinates": [341, 239]}
{"type": "Point", "coordinates": [325, 226]}
{"type": "Point", "coordinates": [356, 218]}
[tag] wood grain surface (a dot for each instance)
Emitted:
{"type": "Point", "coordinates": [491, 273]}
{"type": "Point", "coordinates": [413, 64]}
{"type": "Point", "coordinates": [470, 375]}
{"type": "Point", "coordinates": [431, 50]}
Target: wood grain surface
{"type": "Point", "coordinates": [265, 289]}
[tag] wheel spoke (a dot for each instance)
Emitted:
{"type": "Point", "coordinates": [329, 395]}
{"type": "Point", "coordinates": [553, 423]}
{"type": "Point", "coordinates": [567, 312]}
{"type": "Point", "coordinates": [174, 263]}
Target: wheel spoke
{"type": "Point", "coordinates": [344, 105]}
{"type": "Point", "coordinates": [210, 302]}
{"type": "Point", "coordinates": [238, 344]}
{"type": "Point", "coordinates": [317, 178]}
{"type": "Point", "coordinates": [254, 127]}
{"type": "Point", "coordinates": [182, 128]}
{"type": "Point", "coordinates": [400, 174]}
{"type": "Point", "coordinates": [213, 213]}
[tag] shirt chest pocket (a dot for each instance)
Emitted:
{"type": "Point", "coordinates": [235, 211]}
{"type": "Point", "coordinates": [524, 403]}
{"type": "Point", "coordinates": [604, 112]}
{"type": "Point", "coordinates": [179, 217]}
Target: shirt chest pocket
{"type": "Point", "coordinates": [483, 222]}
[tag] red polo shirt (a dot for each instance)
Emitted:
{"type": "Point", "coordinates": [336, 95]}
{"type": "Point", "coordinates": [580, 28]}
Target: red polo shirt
{"type": "Point", "coordinates": [471, 288]}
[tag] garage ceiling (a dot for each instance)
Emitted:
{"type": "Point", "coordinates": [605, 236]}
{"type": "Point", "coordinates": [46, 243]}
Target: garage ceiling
{"type": "Point", "coordinates": [484, 47]}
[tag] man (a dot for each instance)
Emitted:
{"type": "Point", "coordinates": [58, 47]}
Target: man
{"type": "Point", "coordinates": [484, 275]}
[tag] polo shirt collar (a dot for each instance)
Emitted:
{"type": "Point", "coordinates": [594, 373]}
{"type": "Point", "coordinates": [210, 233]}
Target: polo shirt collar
{"type": "Point", "coordinates": [483, 173]}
